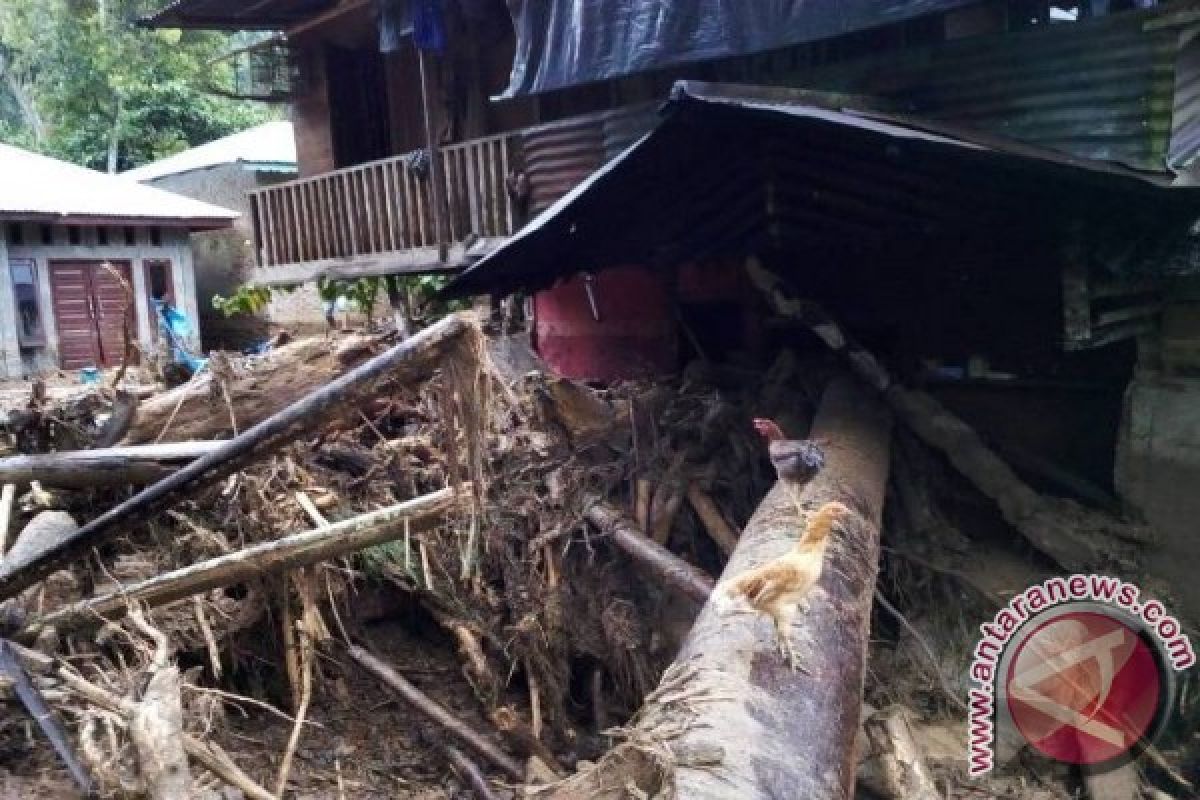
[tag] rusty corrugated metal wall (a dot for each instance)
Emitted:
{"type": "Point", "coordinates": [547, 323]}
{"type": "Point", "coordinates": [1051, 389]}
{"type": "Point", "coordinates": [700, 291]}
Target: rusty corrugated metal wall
{"type": "Point", "coordinates": [559, 155]}
{"type": "Point", "coordinates": [1102, 88]}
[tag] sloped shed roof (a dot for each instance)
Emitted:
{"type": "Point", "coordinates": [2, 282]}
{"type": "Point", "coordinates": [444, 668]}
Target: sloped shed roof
{"type": "Point", "coordinates": [267, 148]}
{"type": "Point", "coordinates": [731, 169]}
{"type": "Point", "coordinates": [39, 188]}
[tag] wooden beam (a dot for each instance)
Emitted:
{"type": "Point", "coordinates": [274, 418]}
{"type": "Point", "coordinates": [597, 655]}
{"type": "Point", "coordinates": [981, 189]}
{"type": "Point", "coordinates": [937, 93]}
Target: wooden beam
{"type": "Point", "coordinates": [416, 261]}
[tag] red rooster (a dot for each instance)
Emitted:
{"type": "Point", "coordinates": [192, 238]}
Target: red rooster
{"type": "Point", "coordinates": [796, 461]}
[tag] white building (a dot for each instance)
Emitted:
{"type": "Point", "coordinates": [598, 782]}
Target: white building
{"type": "Point", "coordinates": [67, 236]}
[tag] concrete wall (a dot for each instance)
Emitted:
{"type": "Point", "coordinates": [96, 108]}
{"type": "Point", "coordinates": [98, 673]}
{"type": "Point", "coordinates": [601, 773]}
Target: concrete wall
{"type": "Point", "coordinates": [1158, 457]}
{"type": "Point", "coordinates": [224, 259]}
{"type": "Point", "coordinates": [174, 246]}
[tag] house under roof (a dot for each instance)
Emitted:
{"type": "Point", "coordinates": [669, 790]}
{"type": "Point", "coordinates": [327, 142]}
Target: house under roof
{"type": "Point", "coordinates": [42, 189]}
{"type": "Point", "coordinates": [266, 148]}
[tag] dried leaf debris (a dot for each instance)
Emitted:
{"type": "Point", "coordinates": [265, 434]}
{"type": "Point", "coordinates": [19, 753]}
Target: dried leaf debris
{"type": "Point", "coordinates": [502, 608]}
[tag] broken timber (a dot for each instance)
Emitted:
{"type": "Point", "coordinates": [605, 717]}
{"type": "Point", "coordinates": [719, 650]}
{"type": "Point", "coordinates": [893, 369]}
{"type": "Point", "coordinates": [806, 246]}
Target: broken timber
{"type": "Point", "coordinates": [676, 573]}
{"type": "Point", "coordinates": [407, 362]}
{"type": "Point", "coordinates": [110, 466]}
{"type": "Point", "coordinates": [1077, 538]}
{"type": "Point", "coordinates": [201, 410]}
{"type": "Point", "coordinates": [476, 742]}
{"type": "Point", "coordinates": [743, 724]}
{"type": "Point", "coordinates": [299, 549]}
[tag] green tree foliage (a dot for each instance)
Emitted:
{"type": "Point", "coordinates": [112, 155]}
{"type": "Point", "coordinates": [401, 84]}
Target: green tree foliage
{"type": "Point", "coordinates": [79, 80]}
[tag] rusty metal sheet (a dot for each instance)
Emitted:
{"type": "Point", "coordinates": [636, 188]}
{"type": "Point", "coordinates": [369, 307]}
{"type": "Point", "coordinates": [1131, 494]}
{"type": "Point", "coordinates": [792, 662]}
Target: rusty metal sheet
{"type": "Point", "coordinates": [725, 174]}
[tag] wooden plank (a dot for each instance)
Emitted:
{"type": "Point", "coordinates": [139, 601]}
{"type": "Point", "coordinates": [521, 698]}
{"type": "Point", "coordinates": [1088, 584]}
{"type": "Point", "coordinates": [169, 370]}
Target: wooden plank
{"type": "Point", "coordinates": [407, 221]}
{"type": "Point", "coordinates": [449, 169]}
{"type": "Point", "coordinates": [422, 205]}
{"type": "Point", "coordinates": [496, 188]}
{"type": "Point", "coordinates": [293, 227]}
{"type": "Point", "coordinates": [337, 205]}
{"type": "Point", "coordinates": [407, 206]}
{"type": "Point", "coordinates": [368, 216]}
{"type": "Point", "coordinates": [268, 204]}
{"type": "Point", "coordinates": [473, 198]}
{"type": "Point", "coordinates": [267, 255]}
{"type": "Point", "coordinates": [509, 222]}
{"type": "Point", "coordinates": [315, 220]}
{"type": "Point", "coordinates": [410, 261]}
{"type": "Point", "coordinates": [307, 250]}
{"type": "Point", "coordinates": [391, 201]}
{"type": "Point", "coordinates": [351, 214]}
{"type": "Point", "coordinates": [327, 218]}
{"type": "Point", "coordinates": [380, 193]}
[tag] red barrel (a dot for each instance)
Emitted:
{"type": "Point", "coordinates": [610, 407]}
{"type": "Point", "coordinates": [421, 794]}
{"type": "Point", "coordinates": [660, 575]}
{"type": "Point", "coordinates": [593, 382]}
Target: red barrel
{"type": "Point", "coordinates": [634, 337]}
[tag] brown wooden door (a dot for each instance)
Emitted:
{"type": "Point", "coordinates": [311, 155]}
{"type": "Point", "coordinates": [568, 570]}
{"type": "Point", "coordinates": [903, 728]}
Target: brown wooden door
{"type": "Point", "coordinates": [90, 309]}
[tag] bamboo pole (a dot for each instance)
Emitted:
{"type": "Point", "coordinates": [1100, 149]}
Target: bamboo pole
{"type": "Point", "coordinates": [296, 550]}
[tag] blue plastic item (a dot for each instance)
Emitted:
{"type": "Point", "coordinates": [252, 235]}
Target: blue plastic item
{"type": "Point", "coordinates": [174, 326]}
{"type": "Point", "coordinates": [89, 376]}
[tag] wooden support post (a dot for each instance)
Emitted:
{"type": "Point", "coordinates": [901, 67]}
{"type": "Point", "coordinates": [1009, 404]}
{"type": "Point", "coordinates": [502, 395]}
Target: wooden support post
{"type": "Point", "coordinates": [409, 361]}
{"type": "Point", "coordinates": [737, 720]}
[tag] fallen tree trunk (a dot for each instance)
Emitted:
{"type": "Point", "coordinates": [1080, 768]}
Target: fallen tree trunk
{"type": "Point", "coordinates": [198, 409]}
{"type": "Point", "coordinates": [730, 718]}
{"type": "Point", "coordinates": [672, 570]}
{"type": "Point", "coordinates": [1077, 538]}
{"type": "Point", "coordinates": [297, 550]}
{"type": "Point", "coordinates": [412, 360]}
{"type": "Point", "coordinates": [111, 466]}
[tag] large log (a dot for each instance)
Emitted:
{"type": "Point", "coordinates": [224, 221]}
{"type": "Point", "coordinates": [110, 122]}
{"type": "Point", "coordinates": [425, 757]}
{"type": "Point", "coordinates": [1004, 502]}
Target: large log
{"type": "Point", "coordinates": [297, 550]}
{"type": "Point", "coordinates": [110, 466]}
{"type": "Point", "coordinates": [734, 718]}
{"type": "Point", "coordinates": [198, 409]}
{"type": "Point", "coordinates": [404, 364]}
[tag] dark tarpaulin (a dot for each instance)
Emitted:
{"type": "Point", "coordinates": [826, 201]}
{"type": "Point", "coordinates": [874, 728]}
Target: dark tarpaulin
{"type": "Point", "coordinates": [567, 42]}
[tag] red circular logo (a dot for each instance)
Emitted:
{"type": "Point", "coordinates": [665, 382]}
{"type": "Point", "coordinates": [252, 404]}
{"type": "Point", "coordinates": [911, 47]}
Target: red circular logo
{"type": "Point", "coordinates": [1084, 687]}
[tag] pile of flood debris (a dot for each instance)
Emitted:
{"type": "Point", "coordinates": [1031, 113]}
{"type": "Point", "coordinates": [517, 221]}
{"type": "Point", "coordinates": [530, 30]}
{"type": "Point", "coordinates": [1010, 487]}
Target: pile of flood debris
{"type": "Point", "coordinates": [352, 567]}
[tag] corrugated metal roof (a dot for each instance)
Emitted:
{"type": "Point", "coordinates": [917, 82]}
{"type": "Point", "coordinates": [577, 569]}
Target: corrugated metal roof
{"type": "Point", "coordinates": [41, 188]}
{"type": "Point", "coordinates": [236, 14]}
{"type": "Point", "coordinates": [1101, 88]}
{"type": "Point", "coordinates": [270, 147]}
{"type": "Point", "coordinates": [734, 169]}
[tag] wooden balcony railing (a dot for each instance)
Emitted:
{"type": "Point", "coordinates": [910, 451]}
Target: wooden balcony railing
{"type": "Point", "coordinates": [360, 215]}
